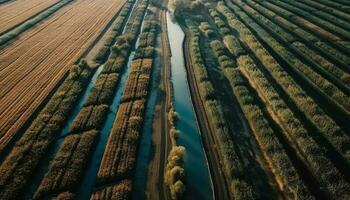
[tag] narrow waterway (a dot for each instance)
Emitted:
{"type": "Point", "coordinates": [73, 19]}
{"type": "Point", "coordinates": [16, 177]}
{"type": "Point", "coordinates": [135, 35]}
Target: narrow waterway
{"type": "Point", "coordinates": [88, 182]}
{"type": "Point", "coordinates": [198, 181]}
{"type": "Point", "coordinates": [145, 145]}
{"type": "Point", "coordinates": [85, 191]}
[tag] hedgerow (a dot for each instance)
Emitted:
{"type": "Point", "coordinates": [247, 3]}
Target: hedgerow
{"type": "Point", "coordinates": [18, 167]}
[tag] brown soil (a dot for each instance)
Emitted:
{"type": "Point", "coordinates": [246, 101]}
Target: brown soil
{"type": "Point", "coordinates": [317, 28]}
{"type": "Point", "coordinates": [32, 65]}
{"type": "Point", "coordinates": [18, 11]}
{"type": "Point", "coordinates": [155, 184]}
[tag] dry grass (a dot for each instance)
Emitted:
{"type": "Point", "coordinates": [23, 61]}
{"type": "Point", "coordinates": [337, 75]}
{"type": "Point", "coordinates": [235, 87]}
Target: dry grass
{"type": "Point", "coordinates": [120, 191]}
{"type": "Point", "coordinates": [31, 66]}
{"type": "Point", "coordinates": [18, 11]}
{"type": "Point", "coordinates": [120, 154]}
{"type": "Point", "coordinates": [66, 168]}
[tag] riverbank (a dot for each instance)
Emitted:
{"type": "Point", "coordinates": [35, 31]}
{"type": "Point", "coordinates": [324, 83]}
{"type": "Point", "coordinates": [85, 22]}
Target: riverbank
{"type": "Point", "coordinates": [214, 157]}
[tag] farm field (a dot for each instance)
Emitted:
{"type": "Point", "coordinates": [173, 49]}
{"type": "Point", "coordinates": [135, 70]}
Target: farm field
{"type": "Point", "coordinates": [16, 12]}
{"type": "Point", "coordinates": [174, 99]}
{"type": "Point", "coordinates": [40, 57]}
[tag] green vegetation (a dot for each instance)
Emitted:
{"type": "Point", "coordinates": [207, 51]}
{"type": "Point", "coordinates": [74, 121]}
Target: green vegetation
{"type": "Point", "coordinates": [284, 20]}
{"type": "Point", "coordinates": [66, 170]}
{"type": "Point", "coordinates": [303, 71]}
{"type": "Point", "coordinates": [324, 63]}
{"type": "Point", "coordinates": [302, 12]}
{"type": "Point", "coordinates": [116, 29]}
{"type": "Point", "coordinates": [18, 167]}
{"type": "Point", "coordinates": [266, 137]}
{"type": "Point", "coordinates": [31, 22]}
{"type": "Point", "coordinates": [120, 153]}
{"type": "Point", "coordinates": [119, 191]}
{"type": "Point", "coordinates": [233, 169]}
{"type": "Point", "coordinates": [88, 122]}
{"type": "Point", "coordinates": [315, 157]}
{"type": "Point", "coordinates": [312, 111]}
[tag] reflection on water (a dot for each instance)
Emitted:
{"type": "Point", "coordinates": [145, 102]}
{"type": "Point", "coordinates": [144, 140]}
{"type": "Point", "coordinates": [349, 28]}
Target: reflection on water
{"type": "Point", "coordinates": [198, 180]}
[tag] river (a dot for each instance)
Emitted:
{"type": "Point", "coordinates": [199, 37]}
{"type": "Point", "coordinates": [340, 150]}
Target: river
{"type": "Point", "coordinates": [198, 180]}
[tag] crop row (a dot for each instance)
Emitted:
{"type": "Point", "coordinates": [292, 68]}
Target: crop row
{"type": "Point", "coordinates": [330, 67]}
{"type": "Point", "coordinates": [278, 159]}
{"type": "Point", "coordinates": [22, 161]}
{"type": "Point", "coordinates": [231, 42]}
{"type": "Point", "coordinates": [325, 9]}
{"type": "Point", "coordinates": [304, 103]}
{"type": "Point", "coordinates": [232, 165]}
{"type": "Point", "coordinates": [119, 191]}
{"type": "Point", "coordinates": [315, 156]}
{"type": "Point", "coordinates": [305, 71]}
{"type": "Point", "coordinates": [31, 22]}
{"type": "Point", "coordinates": [65, 170]}
{"type": "Point", "coordinates": [288, 179]}
{"type": "Point", "coordinates": [136, 86]}
{"type": "Point", "coordinates": [116, 29]}
{"type": "Point", "coordinates": [90, 118]}
{"type": "Point", "coordinates": [119, 157]}
{"type": "Point", "coordinates": [321, 14]}
{"type": "Point", "coordinates": [301, 12]}
{"type": "Point", "coordinates": [309, 54]}
{"type": "Point", "coordinates": [120, 154]}
{"type": "Point", "coordinates": [103, 90]}
{"type": "Point", "coordinates": [283, 18]}
{"type": "Point", "coordinates": [286, 174]}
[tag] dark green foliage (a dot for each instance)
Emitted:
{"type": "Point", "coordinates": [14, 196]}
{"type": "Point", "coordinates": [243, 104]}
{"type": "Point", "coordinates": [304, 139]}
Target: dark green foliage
{"type": "Point", "coordinates": [232, 165]}
{"type": "Point", "coordinates": [22, 161]}
{"type": "Point", "coordinates": [90, 117]}
{"type": "Point", "coordinates": [103, 89]}
{"type": "Point", "coordinates": [66, 169]}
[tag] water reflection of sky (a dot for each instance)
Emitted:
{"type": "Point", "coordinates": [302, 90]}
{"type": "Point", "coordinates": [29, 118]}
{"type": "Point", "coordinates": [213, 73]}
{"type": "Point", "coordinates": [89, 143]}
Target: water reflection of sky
{"type": "Point", "coordinates": [198, 183]}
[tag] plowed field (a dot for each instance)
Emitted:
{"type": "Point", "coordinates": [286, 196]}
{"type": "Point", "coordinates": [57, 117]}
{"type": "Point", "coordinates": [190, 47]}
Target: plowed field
{"type": "Point", "coordinates": [32, 65]}
{"type": "Point", "coordinates": [18, 11]}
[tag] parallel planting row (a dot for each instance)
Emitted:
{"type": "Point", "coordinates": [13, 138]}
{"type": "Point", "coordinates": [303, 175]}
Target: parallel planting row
{"type": "Point", "coordinates": [116, 169]}
{"type": "Point", "coordinates": [36, 63]}
{"type": "Point", "coordinates": [231, 164]}
{"type": "Point", "coordinates": [67, 169]}
{"type": "Point", "coordinates": [292, 84]}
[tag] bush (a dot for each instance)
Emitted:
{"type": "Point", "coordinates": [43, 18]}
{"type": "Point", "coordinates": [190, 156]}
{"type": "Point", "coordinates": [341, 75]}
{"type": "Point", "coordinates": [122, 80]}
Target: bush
{"type": "Point", "coordinates": [67, 168]}
{"type": "Point", "coordinates": [20, 164]}
{"type": "Point", "coordinates": [119, 191]}
{"type": "Point", "coordinates": [174, 172]}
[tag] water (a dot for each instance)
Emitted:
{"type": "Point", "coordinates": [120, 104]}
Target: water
{"type": "Point", "coordinates": [43, 167]}
{"type": "Point", "coordinates": [88, 181]}
{"type": "Point", "coordinates": [198, 181]}
{"type": "Point", "coordinates": [145, 145]}
{"type": "Point", "coordinates": [94, 164]}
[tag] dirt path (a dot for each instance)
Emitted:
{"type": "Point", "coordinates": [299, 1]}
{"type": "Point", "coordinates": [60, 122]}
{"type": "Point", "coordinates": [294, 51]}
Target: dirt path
{"type": "Point", "coordinates": [155, 185]}
{"type": "Point", "coordinates": [32, 66]}
{"type": "Point", "coordinates": [221, 186]}
{"type": "Point", "coordinates": [16, 12]}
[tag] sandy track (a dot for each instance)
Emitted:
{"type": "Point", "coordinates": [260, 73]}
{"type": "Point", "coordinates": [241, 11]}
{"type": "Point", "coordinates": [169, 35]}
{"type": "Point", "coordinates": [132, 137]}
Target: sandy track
{"type": "Point", "coordinates": [18, 11]}
{"type": "Point", "coordinates": [32, 65]}
{"type": "Point", "coordinates": [156, 188]}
